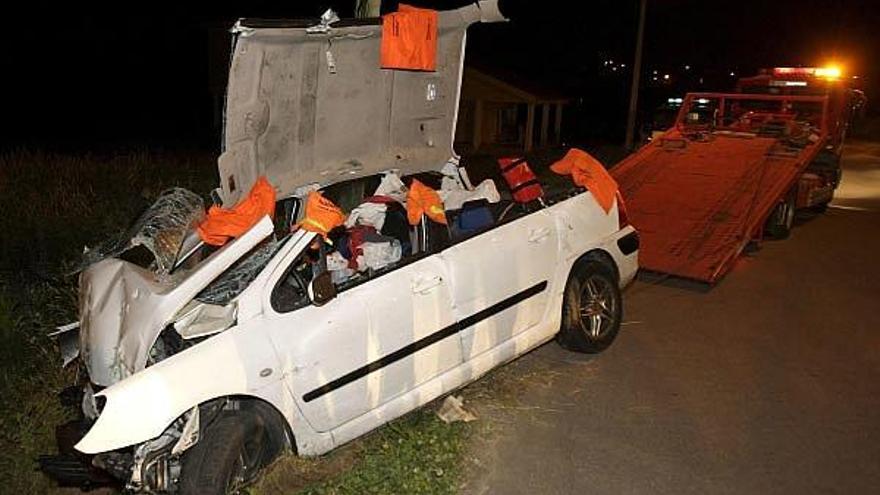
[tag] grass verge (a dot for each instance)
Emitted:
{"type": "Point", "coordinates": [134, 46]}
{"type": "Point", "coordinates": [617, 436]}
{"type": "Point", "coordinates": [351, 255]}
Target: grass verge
{"type": "Point", "coordinates": [416, 454]}
{"type": "Point", "coordinates": [31, 380]}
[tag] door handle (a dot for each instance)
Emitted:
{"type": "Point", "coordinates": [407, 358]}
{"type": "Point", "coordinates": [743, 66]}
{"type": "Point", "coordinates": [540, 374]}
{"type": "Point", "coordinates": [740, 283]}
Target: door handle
{"type": "Point", "coordinates": [427, 284]}
{"type": "Point", "coordinates": [538, 235]}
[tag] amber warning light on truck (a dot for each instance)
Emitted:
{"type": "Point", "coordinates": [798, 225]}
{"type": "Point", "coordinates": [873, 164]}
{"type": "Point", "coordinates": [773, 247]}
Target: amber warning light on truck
{"type": "Point", "coordinates": [827, 72]}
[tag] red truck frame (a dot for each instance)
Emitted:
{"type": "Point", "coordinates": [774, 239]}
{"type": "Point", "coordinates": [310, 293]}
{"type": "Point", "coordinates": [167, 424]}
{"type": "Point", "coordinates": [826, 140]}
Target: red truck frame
{"type": "Point", "coordinates": [732, 169]}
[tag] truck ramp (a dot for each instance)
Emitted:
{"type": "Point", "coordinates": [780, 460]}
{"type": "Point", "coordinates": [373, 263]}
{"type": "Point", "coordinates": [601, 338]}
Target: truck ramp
{"type": "Point", "coordinates": [696, 208]}
{"type": "Point", "coordinates": [698, 198]}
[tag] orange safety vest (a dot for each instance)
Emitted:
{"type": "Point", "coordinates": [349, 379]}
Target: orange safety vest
{"type": "Point", "coordinates": [222, 224]}
{"type": "Point", "coordinates": [422, 200]}
{"type": "Point", "coordinates": [322, 215]}
{"type": "Point", "coordinates": [409, 39]}
{"type": "Point", "coordinates": [588, 172]}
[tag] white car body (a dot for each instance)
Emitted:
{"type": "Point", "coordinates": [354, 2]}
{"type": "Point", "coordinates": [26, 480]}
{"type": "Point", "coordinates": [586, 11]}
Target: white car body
{"type": "Point", "coordinates": [378, 349]}
{"type": "Point", "coordinates": [297, 361]}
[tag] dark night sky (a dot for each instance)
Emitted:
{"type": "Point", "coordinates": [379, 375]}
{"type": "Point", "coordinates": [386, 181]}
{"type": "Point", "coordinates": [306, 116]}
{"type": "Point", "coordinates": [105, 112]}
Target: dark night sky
{"type": "Point", "coordinates": [96, 78]}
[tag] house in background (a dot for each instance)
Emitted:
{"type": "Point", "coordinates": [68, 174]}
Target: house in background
{"type": "Point", "coordinates": [502, 115]}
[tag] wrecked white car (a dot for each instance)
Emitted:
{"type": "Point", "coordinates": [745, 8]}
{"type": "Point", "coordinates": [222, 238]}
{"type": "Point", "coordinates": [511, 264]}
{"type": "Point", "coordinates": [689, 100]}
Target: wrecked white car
{"type": "Point", "coordinates": [203, 364]}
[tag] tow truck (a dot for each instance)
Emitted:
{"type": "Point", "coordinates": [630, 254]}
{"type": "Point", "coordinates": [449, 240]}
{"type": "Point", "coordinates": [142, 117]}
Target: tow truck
{"type": "Point", "coordinates": [844, 99]}
{"type": "Point", "coordinates": [845, 102]}
{"type": "Point", "coordinates": [732, 169]}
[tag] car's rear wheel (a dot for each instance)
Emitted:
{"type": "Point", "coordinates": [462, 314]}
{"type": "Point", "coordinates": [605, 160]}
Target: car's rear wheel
{"type": "Point", "coordinates": [592, 308]}
{"type": "Point", "coordinates": [230, 452]}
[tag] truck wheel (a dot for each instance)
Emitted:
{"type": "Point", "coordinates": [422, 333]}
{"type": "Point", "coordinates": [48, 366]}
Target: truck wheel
{"type": "Point", "coordinates": [227, 457]}
{"type": "Point", "coordinates": [781, 219]}
{"type": "Point", "coordinates": [820, 208]}
{"type": "Point", "coordinates": [591, 310]}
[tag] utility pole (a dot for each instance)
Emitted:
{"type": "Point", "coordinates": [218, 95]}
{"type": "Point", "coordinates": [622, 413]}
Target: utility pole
{"type": "Point", "coordinates": [637, 72]}
{"type": "Point", "coordinates": [367, 8]}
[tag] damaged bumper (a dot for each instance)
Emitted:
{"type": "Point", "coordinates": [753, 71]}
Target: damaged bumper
{"type": "Point", "coordinates": [71, 468]}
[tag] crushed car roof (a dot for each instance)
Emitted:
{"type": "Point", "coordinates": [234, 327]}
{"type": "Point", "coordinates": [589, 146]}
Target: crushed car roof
{"type": "Point", "coordinates": [308, 106]}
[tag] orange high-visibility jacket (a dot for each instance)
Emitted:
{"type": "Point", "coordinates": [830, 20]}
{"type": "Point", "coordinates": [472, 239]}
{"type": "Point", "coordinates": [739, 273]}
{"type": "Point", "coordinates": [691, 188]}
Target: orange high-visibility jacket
{"type": "Point", "coordinates": [322, 215]}
{"type": "Point", "coordinates": [587, 172]}
{"type": "Point", "coordinates": [422, 200]}
{"type": "Point", "coordinates": [222, 224]}
{"type": "Point", "coordinates": [409, 39]}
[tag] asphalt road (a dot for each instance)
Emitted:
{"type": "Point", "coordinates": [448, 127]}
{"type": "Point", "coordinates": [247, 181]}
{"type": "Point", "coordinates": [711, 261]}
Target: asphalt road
{"type": "Point", "coordinates": [767, 383]}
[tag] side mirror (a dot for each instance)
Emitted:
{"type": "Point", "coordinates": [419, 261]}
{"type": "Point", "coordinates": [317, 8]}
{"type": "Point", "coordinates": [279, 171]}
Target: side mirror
{"type": "Point", "coordinates": [321, 289]}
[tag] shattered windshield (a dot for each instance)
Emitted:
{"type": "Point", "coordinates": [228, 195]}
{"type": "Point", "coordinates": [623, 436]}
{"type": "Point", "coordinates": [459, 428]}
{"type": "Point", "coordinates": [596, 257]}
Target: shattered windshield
{"type": "Point", "coordinates": [237, 278]}
{"type": "Point", "coordinates": [161, 229]}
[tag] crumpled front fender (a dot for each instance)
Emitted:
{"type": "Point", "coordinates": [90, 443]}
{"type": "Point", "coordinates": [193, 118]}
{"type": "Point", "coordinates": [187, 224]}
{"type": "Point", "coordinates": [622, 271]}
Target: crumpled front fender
{"type": "Point", "coordinates": [142, 406]}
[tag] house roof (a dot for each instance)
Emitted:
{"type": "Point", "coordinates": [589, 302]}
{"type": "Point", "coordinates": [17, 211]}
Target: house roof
{"type": "Point", "coordinates": [505, 87]}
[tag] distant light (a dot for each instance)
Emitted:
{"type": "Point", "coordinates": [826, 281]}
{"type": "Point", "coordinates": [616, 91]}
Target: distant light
{"type": "Point", "coordinates": [702, 101]}
{"type": "Point", "coordinates": [675, 100]}
{"type": "Point", "coordinates": [622, 66]}
{"type": "Point", "coordinates": [655, 72]}
{"type": "Point", "coordinates": [829, 72]}
{"type": "Point", "coordinates": [855, 77]}
{"type": "Point", "coordinates": [614, 69]}
{"type": "Point", "coordinates": [687, 67]}
{"type": "Point", "coordinates": [666, 76]}
{"type": "Point", "coordinates": [732, 73]}
{"type": "Point", "coordinates": [655, 78]}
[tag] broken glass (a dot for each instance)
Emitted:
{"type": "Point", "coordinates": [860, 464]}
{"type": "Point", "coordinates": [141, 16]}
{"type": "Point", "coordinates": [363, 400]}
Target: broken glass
{"type": "Point", "coordinates": [236, 279]}
{"type": "Point", "coordinates": [161, 229]}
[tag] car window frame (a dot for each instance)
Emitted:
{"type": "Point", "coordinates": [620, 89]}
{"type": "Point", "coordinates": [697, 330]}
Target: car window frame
{"type": "Point", "coordinates": [370, 274]}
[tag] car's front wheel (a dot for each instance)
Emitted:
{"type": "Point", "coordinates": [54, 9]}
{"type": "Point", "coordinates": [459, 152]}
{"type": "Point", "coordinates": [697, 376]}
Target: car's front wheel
{"type": "Point", "coordinates": [592, 308]}
{"type": "Point", "coordinates": [227, 457]}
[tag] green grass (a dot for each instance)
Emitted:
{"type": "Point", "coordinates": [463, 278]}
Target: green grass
{"type": "Point", "coordinates": [31, 378]}
{"type": "Point", "coordinates": [52, 205]}
{"type": "Point", "coordinates": [417, 454]}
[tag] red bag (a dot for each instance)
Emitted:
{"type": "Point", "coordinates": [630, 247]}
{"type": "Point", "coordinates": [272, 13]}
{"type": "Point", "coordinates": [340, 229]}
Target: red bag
{"type": "Point", "coordinates": [522, 181]}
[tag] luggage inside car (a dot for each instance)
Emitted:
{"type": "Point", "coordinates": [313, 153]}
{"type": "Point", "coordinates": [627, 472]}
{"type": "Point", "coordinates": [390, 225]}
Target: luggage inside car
{"type": "Point", "coordinates": [474, 217]}
{"type": "Point", "coordinates": [523, 183]}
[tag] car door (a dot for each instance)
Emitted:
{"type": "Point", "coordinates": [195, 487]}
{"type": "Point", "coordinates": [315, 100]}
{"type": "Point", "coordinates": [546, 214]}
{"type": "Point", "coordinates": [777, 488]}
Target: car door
{"type": "Point", "coordinates": [500, 279]}
{"type": "Point", "coordinates": [412, 328]}
{"type": "Point", "coordinates": [371, 343]}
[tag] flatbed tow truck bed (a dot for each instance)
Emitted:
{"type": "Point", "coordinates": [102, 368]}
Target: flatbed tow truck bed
{"type": "Point", "coordinates": [698, 197]}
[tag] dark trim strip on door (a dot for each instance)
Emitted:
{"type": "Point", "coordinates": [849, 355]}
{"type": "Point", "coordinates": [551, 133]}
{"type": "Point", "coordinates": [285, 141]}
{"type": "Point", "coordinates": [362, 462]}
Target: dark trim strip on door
{"type": "Point", "coordinates": [425, 342]}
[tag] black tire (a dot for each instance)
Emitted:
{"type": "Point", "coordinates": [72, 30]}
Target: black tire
{"type": "Point", "coordinates": [227, 457]}
{"type": "Point", "coordinates": [781, 219]}
{"type": "Point", "coordinates": [592, 297]}
{"type": "Point", "coordinates": [827, 164]}
{"type": "Point", "coordinates": [819, 208]}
